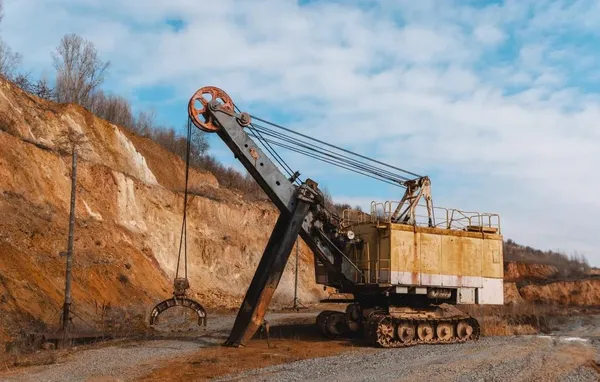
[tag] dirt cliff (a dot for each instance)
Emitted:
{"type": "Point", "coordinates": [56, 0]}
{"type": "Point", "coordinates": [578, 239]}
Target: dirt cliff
{"type": "Point", "coordinates": [540, 283]}
{"type": "Point", "coordinates": [511, 293]}
{"type": "Point", "coordinates": [517, 271]}
{"type": "Point", "coordinates": [576, 292]}
{"type": "Point", "coordinates": [129, 209]}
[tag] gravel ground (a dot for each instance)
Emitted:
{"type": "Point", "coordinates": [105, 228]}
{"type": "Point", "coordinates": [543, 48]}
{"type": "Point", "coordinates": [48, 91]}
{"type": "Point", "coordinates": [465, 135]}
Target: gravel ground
{"type": "Point", "coordinates": [522, 358]}
{"type": "Point", "coordinates": [126, 361]}
{"type": "Point", "coordinates": [120, 362]}
{"type": "Point", "coordinates": [489, 359]}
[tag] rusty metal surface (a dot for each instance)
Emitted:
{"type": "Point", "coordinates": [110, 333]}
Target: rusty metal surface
{"type": "Point", "coordinates": [427, 254]}
{"type": "Point", "coordinates": [394, 332]}
{"type": "Point", "coordinates": [416, 190]}
{"type": "Point", "coordinates": [178, 301]}
{"type": "Point", "coordinates": [268, 274]}
{"type": "Point", "coordinates": [442, 231]}
{"type": "Point", "coordinates": [180, 286]}
{"type": "Point", "coordinates": [244, 119]}
{"type": "Point", "coordinates": [198, 108]}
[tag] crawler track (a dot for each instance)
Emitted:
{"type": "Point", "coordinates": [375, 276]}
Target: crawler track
{"type": "Point", "coordinates": [382, 330]}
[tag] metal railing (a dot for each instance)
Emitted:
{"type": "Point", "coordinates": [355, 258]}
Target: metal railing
{"type": "Point", "coordinates": [351, 216]}
{"type": "Point", "coordinates": [446, 218]}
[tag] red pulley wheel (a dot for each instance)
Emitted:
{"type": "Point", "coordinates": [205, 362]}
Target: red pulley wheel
{"type": "Point", "coordinates": [198, 107]}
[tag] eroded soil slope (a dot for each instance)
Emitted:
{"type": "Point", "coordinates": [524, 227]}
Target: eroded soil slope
{"type": "Point", "coordinates": [539, 283]}
{"type": "Point", "coordinates": [129, 211]}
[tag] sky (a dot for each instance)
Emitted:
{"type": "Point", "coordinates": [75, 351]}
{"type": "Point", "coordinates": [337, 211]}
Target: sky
{"type": "Point", "coordinates": [497, 101]}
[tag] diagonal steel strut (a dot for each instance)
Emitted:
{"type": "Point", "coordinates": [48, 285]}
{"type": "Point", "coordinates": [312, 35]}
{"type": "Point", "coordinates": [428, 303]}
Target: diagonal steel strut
{"type": "Point", "coordinates": [294, 203]}
{"type": "Point", "coordinates": [267, 276]}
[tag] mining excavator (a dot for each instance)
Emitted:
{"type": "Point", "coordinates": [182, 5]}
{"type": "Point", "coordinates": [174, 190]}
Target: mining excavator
{"type": "Point", "coordinates": [405, 267]}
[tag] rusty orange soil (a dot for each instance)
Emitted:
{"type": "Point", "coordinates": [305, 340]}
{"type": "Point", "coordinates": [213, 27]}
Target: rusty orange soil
{"type": "Point", "coordinates": [288, 344]}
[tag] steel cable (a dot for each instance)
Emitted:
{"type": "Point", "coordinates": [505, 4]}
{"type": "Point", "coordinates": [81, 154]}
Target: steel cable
{"type": "Point", "coordinates": [335, 147]}
{"type": "Point", "coordinates": [336, 162]}
{"type": "Point", "coordinates": [331, 154]}
{"type": "Point", "coordinates": [311, 147]}
{"type": "Point", "coordinates": [183, 237]}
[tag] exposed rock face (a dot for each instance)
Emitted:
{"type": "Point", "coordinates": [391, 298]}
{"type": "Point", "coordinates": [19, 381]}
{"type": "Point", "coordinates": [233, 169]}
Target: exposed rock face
{"type": "Point", "coordinates": [129, 210]}
{"type": "Point", "coordinates": [538, 283]}
{"type": "Point", "coordinates": [511, 293]}
{"type": "Point", "coordinates": [577, 292]}
{"type": "Point", "coordinates": [594, 271]}
{"type": "Point", "coordinates": [515, 271]}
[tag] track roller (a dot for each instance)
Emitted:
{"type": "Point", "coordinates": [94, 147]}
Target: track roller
{"type": "Point", "coordinates": [406, 331]}
{"type": "Point", "coordinates": [353, 318]}
{"type": "Point", "coordinates": [425, 332]}
{"type": "Point", "coordinates": [332, 324]}
{"type": "Point", "coordinates": [464, 330]}
{"type": "Point", "coordinates": [444, 331]}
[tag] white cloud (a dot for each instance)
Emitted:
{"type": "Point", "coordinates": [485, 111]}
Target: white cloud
{"type": "Point", "coordinates": [532, 55]}
{"type": "Point", "coordinates": [418, 84]}
{"type": "Point", "coordinates": [487, 34]}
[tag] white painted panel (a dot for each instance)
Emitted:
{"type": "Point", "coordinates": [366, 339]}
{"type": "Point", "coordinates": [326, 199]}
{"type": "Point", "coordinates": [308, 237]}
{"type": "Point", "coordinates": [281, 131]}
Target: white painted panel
{"type": "Point", "coordinates": [431, 280]}
{"type": "Point", "coordinates": [466, 296]}
{"type": "Point", "coordinates": [472, 281]}
{"type": "Point", "coordinates": [462, 281]}
{"type": "Point", "coordinates": [450, 281]}
{"type": "Point", "coordinates": [403, 278]}
{"type": "Point", "coordinates": [492, 292]}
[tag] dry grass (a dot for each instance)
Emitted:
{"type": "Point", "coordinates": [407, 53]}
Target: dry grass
{"type": "Point", "coordinates": [38, 358]}
{"type": "Point", "coordinates": [514, 319]}
{"type": "Point", "coordinates": [497, 326]}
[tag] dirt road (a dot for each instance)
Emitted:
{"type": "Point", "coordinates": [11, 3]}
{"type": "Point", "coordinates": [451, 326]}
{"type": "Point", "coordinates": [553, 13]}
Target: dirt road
{"type": "Point", "coordinates": [297, 352]}
{"type": "Point", "coordinates": [490, 359]}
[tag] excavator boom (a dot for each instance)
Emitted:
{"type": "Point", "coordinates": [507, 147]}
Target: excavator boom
{"type": "Point", "coordinates": [300, 209]}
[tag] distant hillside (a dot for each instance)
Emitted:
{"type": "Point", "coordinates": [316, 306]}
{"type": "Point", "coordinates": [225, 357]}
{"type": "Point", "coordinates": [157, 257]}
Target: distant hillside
{"type": "Point", "coordinates": [567, 266]}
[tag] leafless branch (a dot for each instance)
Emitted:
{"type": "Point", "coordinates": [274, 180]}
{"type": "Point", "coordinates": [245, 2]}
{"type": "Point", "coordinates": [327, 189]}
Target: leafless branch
{"type": "Point", "coordinates": [79, 70]}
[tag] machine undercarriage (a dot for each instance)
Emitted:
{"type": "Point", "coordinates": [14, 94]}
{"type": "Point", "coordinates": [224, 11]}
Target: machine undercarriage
{"type": "Point", "coordinates": [395, 327]}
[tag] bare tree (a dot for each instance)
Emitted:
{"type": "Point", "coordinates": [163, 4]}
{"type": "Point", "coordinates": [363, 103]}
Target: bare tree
{"type": "Point", "coordinates": [39, 88]}
{"type": "Point", "coordinates": [43, 90]}
{"type": "Point", "coordinates": [198, 146]}
{"type": "Point", "coordinates": [70, 140]}
{"type": "Point", "coordinates": [79, 70]}
{"type": "Point", "coordinates": [145, 122]}
{"type": "Point", "coordinates": [22, 81]}
{"type": "Point", "coordinates": [113, 108]}
{"type": "Point", "coordinates": [9, 60]}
